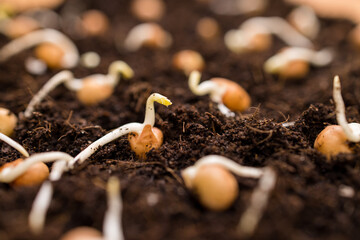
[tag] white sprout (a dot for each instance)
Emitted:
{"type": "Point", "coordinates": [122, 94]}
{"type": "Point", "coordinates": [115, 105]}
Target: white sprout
{"type": "Point", "coordinates": [143, 32]}
{"type": "Point", "coordinates": [190, 172]}
{"type": "Point", "coordinates": [14, 144]}
{"type": "Point", "coordinates": [9, 174]}
{"type": "Point", "coordinates": [42, 200]}
{"type": "Point", "coordinates": [209, 87]}
{"type": "Point", "coordinates": [124, 129]}
{"type": "Point", "coordinates": [259, 200]}
{"type": "Point", "coordinates": [239, 40]}
{"type": "Point", "coordinates": [74, 84]}
{"type": "Point", "coordinates": [71, 54]}
{"type": "Point", "coordinates": [306, 21]}
{"type": "Point", "coordinates": [90, 59]}
{"type": "Point", "coordinates": [351, 130]}
{"type": "Point", "coordinates": [236, 7]}
{"type": "Point", "coordinates": [281, 59]}
{"type": "Point", "coordinates": [112, 227]}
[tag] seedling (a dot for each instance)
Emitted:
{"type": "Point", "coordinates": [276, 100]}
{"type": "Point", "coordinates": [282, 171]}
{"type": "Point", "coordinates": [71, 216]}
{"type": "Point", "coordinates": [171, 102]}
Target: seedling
{"type": "Point", "coordinates": [209, 178]}
{"type": "Point", "coordinates": [142, 136]}
{"type": "Point", "coordinates": [334, 138]}
{"type": "Point", "coordinates": [18, 26]}
{"type": "Point", "coordinates": [304, 19]}
{"type": "Point", "coordinates": [227, 94]}
{"type": "Point", "coordinates": [188, 61]}
{"type": "Point", "coordinates": [30, 171]}
{"type": "Point", "coordinates": [14, 144]}
{"type": "Point", "coordinates": [89, 90]}
{"type": "Point", "coordinates": [57, 50]}
{"type": "Point", "coordinates": [8, 121]}
{"type": "Point", "coordinates": [292, 63]}
{"type": "Point", "coordinates": [147, 34]}
{"type": "Point", "coordinates": [112, 226]}
{"type": "Point", "coordinates": [255, 35]}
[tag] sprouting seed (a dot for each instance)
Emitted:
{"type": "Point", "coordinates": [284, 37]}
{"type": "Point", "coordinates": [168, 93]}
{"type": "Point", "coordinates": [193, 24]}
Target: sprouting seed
{"type": "Point", "coordinates": [18, 26]}
{"type": "Point", "coordinates": [293, 62]}
{"type": "Point", "coordinates": [210, 179]}
{"type": "Point", "coordinates": [255, 35]}
{"type": "Point", "coordinates": [142, 136]}
{"type": "Point", "coordinates": [147, 34]}
{"type": "Point", "coordinates": [21, 5]}
{"type": "Point", "coordinates": [304, 19]}
{"type": "Point", "coordinates": [229, 95]}
{"type": "Point", "coordinates": [57, 50]}
{"type": "Point", "coordinates": [89, 90]}
{"type": "Point", "coordinates": [334, 138]}
{"type": "Point", "coordinates": [8, 121]}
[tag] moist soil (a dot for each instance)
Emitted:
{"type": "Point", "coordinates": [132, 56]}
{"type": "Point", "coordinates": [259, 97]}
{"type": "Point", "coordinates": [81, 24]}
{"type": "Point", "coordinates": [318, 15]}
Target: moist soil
{"type": "Point", "coordinates": [305, 204]}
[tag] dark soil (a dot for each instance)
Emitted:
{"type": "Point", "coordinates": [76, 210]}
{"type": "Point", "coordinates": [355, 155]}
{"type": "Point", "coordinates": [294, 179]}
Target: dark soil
{"type": "Point", "coordinates": [305, 203]}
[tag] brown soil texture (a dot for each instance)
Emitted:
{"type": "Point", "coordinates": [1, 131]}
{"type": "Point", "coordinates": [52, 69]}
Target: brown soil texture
{"type": "Point", "coordinates": [305, 203]}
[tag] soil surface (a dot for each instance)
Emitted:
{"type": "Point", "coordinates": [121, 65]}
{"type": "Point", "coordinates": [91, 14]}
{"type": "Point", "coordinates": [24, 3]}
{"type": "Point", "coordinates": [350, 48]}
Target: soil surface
{"type": "Point", "coordinates": [306, 202]}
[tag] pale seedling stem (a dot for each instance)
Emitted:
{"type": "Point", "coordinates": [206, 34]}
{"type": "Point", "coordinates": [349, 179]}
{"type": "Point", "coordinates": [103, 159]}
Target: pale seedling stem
{"type": "Point", "coordinates": [116, 69]}
{"type": "Point", "coordinates": [228, 164]}
{"type": "Point", "coordinates": [9, 174]}
{"type": "Point", "coordinates": [112, 227]}
{"type": "Point", "coordinates": [259, 200]}
{"type": "Point", "coordinates": [352, 136]}
{"type": "Point", "coordinates": [14, 144]}
{"type": "Point", "coordinates": [125, 129]}
{"type": "Point", "coordinates": [71, 54]}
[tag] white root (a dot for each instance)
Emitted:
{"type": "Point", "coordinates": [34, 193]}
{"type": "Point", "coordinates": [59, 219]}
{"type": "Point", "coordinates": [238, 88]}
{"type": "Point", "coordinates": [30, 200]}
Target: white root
{"type": "Point", "coordinates": [112, 227]}
{"type": "Point", "coordinates": [251, 172]}
{"type": "Point", "coordinates": [50, 85]}
{"type": "Point", "coordinates": [351, 130]}
{"type": "Point", "coordinates": [10, 173]}
{"type": "Point", "coordinates": [259, 200]}
{"type": "Point", "coordinates": [306, 21]}
{"type": "Point", "coordinates": [14, 144]}
{"type": "Point", "coordinates": [281, 59]}
{"type": "Point", "coordinates": [125, 129]}
{"type": "Point", "coordinates": [42, 200]}
{"type": "Point", "coordinates": [71, 54]}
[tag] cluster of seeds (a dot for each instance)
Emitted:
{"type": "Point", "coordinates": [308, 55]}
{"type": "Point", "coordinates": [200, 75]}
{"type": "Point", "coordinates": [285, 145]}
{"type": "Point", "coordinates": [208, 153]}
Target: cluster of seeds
{"type": "Point", "coordinates": [212, 178]}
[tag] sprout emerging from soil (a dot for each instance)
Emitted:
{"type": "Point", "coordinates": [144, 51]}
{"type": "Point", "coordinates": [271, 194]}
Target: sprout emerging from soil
{"type": "Point", "coordinates": [304, 19]}
{"type": "Point", "coordinates": [89, 90]}
{"type": "Point", "coordinates": [30, 171]}
{"type": "Point", "coordinates": [229, 95]}
{"type": "Point", "coordinates": [210, 179]}
{"type": "Point", "coordinates": [14, 144]}
{"type": "Point", "coordinates": [8, 121]}
{"type": "Point", "coordinates": [293, 62]}
{"type": "Point", "coordinates": [149, 35]}
{"type": "Point", "coordinates": [142, 136]}
{"type": "Point", "coordinates": [255, 35]}
{"type": "Point", "coordinates": [112, 227]}
{"type": "Point", "coordinates": [55, 48]}
{"type": "Point", "coordinates": [334, 138]}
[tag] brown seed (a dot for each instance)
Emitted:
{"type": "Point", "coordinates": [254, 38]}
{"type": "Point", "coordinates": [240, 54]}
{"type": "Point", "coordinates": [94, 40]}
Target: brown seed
{"type": "Point", "coordinates": [188, 60]}
{"type": "Point", "coordinates": [235, 97]}
{"type": "Point", "coordinates": [332, 141]}
{"type": "Point", "coordinates": [148, 10]}
{"type": "Point", "coordinates": [95, 23]}
{"type": "Point", "coordinates": [51, 54]}
{"type": "Point", "coordinates": [82, 233]}
{"type": "Point", "coordinates": [207, 28]}
{"type": "Point", "coordinates": [8, 121]}
{"type": "Point", "coordinates": [20, 25]}
{"type": "Point", "coordinates": [295, 69]}
{"type": "Point", "coordinates": [260, 42]}
{"type": "Point", "coordinates": [93, 92]}
{"type": "Point", "coordinates": [150, 137]}
{"type": "Point", "coordinates": [35, 175]}
{"type": "Point", "coordinates": [215, 187]}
